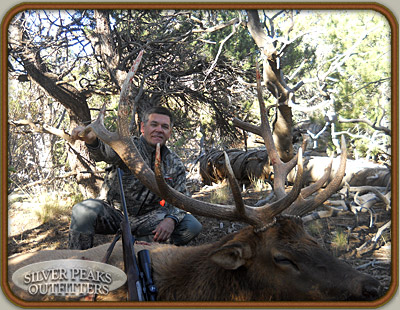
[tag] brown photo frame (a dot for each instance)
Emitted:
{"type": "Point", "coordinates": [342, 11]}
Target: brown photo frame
{"type": "Point", "coordinates": [303, 6]}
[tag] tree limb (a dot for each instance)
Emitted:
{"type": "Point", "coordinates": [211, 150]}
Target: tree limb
{"type": "Point", "coordinates": [215, 28]}
{"type": "Point", "coordinates": [38, 127]}
{"type": "Point", "coordinates": [36, 68]}
{"type": "Point", "coordinates": [385, 130]}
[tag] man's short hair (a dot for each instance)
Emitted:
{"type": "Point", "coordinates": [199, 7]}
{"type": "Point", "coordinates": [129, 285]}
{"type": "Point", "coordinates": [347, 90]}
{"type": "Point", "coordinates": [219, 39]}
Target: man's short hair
{"type": "Point", "coordinates": [158, 110]}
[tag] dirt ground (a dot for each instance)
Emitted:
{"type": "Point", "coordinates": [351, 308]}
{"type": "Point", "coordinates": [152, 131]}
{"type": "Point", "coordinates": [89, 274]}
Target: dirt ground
{"type": "Point", "coordinates": [348, 237]}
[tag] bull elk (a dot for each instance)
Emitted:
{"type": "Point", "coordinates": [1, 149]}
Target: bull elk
{"type": "Point", "coordinates": [271, 259]}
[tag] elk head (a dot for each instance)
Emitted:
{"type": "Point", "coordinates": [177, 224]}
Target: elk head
{"type": "Point", "coordinates": [273, 257]}
{"type": "Point", "coordinates": [285, 263]}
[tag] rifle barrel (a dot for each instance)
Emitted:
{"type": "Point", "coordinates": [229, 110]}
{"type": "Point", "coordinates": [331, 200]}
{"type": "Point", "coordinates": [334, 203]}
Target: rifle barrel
{"type": "Point", "coordinates": [121, 189]}
{"type": "Point", "coordinates": [135, 289]}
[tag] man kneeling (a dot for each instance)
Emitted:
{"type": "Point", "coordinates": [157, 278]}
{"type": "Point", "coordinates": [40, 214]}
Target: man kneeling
{"type": "Point", "coordinates": [151, 218]}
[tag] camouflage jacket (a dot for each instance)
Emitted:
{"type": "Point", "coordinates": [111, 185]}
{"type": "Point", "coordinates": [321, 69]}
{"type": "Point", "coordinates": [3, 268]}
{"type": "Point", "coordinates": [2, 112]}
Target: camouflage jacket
{"type": "Point", "coordinates": [139, 199]}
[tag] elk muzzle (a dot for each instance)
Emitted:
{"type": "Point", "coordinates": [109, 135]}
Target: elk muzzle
{"type": "Point", "coordinates": [366, 288]}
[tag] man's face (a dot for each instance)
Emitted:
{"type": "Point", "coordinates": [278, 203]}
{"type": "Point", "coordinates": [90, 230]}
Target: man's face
{"type": "Point", "coordinates": [157, 129]}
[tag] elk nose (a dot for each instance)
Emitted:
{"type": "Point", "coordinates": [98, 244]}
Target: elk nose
{"type": "Point", "coordinates": [371, 289]}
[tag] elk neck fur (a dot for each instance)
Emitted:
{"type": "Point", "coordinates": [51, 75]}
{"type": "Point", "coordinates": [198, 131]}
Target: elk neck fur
{"type": "Point", "coordinates": [191, 273]}
{"type": "Point", "coordinates": [239, 267]}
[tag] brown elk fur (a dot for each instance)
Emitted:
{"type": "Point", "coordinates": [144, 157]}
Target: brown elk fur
{"type": "Point", "coordinates": [282, 263]}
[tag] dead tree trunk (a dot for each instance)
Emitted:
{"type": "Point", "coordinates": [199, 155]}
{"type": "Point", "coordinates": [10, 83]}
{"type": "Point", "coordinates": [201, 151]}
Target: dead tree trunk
{"type": "Point", "coordinates": [273, 79]}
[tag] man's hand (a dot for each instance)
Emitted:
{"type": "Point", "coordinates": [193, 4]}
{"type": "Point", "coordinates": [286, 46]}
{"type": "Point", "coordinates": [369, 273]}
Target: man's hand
{"type": "Point", "coordinates": [89, 137]}
{"type": "Point", "coordinates": [164, 230]}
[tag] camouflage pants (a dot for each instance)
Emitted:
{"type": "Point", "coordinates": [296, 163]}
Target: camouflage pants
{"type": "Point", "coordinates": [94, 216]}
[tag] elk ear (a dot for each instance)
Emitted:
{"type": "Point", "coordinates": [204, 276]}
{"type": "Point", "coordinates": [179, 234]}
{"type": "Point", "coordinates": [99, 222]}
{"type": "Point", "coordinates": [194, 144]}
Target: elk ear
{"type": "Point", "coordinates": [231, 256]}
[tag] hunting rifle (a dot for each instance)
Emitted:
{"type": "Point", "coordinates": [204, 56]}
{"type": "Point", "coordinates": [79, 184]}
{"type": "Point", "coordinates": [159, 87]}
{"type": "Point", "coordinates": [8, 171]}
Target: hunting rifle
{"type": "Point", "coordinates": [140, 283]}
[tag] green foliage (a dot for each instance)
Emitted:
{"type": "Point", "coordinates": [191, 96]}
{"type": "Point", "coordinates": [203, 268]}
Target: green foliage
{"type": "Point", "coordinates": [238, 47]}
{"type": "Point", "coordinates": [348, 54]}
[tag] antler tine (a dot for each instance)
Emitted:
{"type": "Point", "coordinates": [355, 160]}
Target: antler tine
{"type": "Point", "coordinates": [311, 189]}
{"type": "Point", "coordinates": [269, 211]}
{"type": "Point", "coordinates": [234, 187]}
{"type": "Point", "coordinates": [258, 217]}
{"type": "Point", "coordinates": [176, 198]}
{"type": "Point", "coordinates": [100, 118]}
{"type": "Point", "coordinates": [303, 206]}
{"type": "Point", "coordinates": [126, 107]}
{"type": "Point", "coordinates": [265, 129]}
{"type": "Point", "coordinates": [98, 127]}
{"type": "Point", "coordinates": [243, 212]}
{"type": "Point", "coordinates": [124, 110]}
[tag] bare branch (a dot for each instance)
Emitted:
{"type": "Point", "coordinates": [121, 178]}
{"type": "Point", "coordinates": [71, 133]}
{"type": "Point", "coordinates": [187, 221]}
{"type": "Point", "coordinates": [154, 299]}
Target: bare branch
{"type": "Point", "coordinates": [220, 50]}
{"type": "Point", "coordinates": [215, 28]}
{"type": "Point", "coordinates": [39, 127]}
{"type": "Point", "coordinates": [373, 125]}
{"type": "Point", "coordinates": [363, 189]}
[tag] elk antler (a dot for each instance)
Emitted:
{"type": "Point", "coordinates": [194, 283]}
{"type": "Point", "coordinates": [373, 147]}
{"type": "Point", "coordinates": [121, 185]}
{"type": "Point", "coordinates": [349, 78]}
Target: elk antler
{"type": "Point", "coordinates": [302, 206]}
{"type": "Point", "coordinates": [121, 141]}
{"type": "Point", "coordinates": [259, 217]}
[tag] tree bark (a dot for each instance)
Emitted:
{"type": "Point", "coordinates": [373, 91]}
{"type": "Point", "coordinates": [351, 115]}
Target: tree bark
{"type": "Point", "coordinates": [271, 69]}
{"type": "Point", "coordinates": [282, 124]}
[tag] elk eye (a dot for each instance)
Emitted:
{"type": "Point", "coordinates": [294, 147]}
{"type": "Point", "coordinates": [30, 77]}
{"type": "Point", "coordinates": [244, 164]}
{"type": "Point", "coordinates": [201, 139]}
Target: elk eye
{"type": "Point", "coordinates": [284, 261]}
